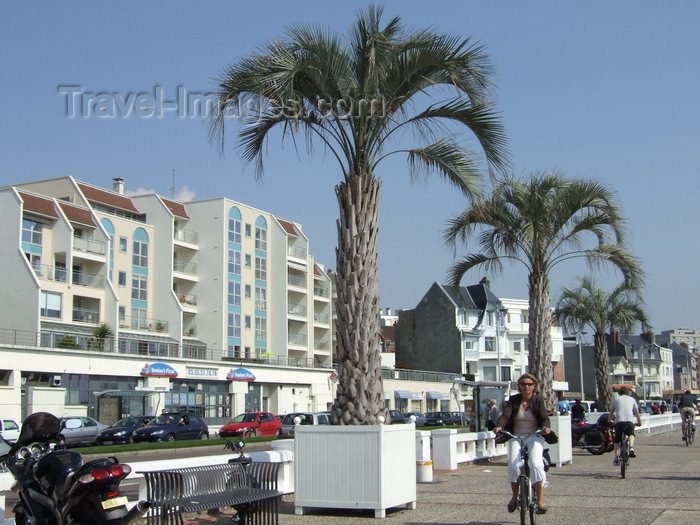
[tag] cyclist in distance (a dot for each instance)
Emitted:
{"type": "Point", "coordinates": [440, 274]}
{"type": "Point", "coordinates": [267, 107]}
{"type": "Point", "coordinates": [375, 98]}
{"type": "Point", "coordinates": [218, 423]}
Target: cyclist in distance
{"type": "Point", "coordinates": [687, 404]}
{"type": "Point", "coordinates": [525, 413]}
{"type": "Point", "coordinates": [623, 412]}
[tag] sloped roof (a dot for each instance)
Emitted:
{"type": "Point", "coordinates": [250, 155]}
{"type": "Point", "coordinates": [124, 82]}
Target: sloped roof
{"type": "Point", "coordinates": [460, 296]}
{"type": "Point", "coordinates": [176, 208]}
{"type": "Point", "coordinates": [107, 197]}
{"type": "Point", "coordinates": [289, 227]}
{"type": "Point", "coordinates": [76, 214]}
{"type": "Point", "coordinates": [39, 205]}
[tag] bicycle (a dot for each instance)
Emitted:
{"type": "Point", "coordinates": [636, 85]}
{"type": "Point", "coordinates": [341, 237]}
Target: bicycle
{"type": "Point", "coordinates": [624, 455]}
{"type": "Point", "coordinates": [526, 501]}
{"type": "Point", "coordinates": [689, 431]}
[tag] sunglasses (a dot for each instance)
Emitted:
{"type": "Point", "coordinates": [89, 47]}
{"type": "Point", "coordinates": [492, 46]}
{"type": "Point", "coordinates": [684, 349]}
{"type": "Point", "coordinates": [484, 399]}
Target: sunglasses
{"type": "Point", "coordinates": [527, 384]}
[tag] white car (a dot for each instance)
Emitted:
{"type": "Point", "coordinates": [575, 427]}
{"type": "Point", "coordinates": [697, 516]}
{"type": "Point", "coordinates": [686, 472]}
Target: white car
{"type": "Point", "coordinates": [306, 418]}
{"type": "Point", "coordinates": [9, 429]}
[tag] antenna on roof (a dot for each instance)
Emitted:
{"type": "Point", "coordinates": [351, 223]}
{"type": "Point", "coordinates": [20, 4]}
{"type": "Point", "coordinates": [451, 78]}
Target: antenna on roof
{"type": "Point", "coordinates": [172, 188]}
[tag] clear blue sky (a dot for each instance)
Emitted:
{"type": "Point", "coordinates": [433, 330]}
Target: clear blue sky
{"type": "Point", "coordinates": [604, 90]}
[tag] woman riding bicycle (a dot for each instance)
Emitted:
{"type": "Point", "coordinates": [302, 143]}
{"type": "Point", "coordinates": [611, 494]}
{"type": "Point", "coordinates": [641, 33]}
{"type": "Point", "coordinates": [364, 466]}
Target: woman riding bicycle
{"type": "Point", "coordinates": [524, 414]}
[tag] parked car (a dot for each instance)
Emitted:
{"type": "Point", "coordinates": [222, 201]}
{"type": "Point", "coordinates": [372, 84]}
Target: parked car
{"type": "Point", "coordinates": [172, 426]}
{"type": "Point", "coordinates": [420, 418]}
{"type": "Point", "coordinates": [397, 416]}
{"type": "Point", "coordinates": [307, 418]}
{"type": "Point", "coordinates": [251, 424]}
{"type": "Point", "coordinates": [433, 419]}
{"type": "Point", "coordinates": [9, 429]}
{"type": "Point", "coordinates": [83, 433]}
{"type": "Point", "coordinates": [121, 432]}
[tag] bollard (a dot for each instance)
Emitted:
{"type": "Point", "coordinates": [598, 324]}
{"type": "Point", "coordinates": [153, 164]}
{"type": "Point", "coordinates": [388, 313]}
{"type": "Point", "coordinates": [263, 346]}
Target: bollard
{"type": "Point", "coordinates": [424, 463]}
{"type": "Point", "coordinates": [424, 471]}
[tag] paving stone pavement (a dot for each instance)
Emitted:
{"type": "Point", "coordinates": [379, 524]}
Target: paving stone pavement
{"type": "Point", "coordinates": [589, 491]}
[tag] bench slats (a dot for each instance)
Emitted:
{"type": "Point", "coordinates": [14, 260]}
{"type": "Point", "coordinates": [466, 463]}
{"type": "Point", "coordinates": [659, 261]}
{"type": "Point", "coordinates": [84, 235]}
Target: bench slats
{"type": "Point", "coordinates": [252, 490]}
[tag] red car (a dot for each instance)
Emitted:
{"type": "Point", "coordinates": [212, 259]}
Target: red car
{"type": "Point", "coordinates": [251, 424]}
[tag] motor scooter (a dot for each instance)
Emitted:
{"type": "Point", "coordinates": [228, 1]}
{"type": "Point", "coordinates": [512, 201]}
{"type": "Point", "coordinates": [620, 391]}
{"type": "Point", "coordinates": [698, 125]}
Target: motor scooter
{"type": "Point", "coordinates": [55, 487]}
{"type": "Point", "coordinates": [596, 438]}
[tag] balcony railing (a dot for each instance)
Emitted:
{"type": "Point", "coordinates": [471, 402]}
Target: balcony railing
{"type": "Point", "coordinates": [189, 300]}
{"type": "Point", "coordinates": [51, 273]}
{"type": "Point", "coordinates": [296, 309]}
{"type": "Point", "coordinates": [419, 375]}
{"type": "Point", "coordinates": [89, 246]}
{"type": "Point", "coordinates": [143, 324]}
{"type": "Point", "coordinates": [321, 345]}
{"type": "Point", "coordinates": [88, 279]}
{"type": "Point", "coordinates": [188, 268]}
{"type": "Point", "coordinates": [187, 236]}
{"type": "Point", "coordinates": [297, 339]}
{"type": "Point", "coordinates": [322, 318]}
{"type": "Point", "coordinates": [86, 315]}
{"type": "Point", "coordinates": [294, 280]}
{"type": "Point", "coordinates": [321, 291]}
{"type": "Point", "coordinates": [297, 252]}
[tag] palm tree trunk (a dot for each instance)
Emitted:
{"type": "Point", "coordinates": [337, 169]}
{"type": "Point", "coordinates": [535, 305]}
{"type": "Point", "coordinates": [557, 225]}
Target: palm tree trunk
{"type": "Point", "coordinates": [360, 394]}
{"type": "Point", "coordinates": [602, 372]}
{"type": "Point", "coordinates": [540, 353]}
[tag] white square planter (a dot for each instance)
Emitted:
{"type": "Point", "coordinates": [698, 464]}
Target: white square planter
{"type": "Point", "coordinates": [355, 467]}
{"type": "Point", "coordinates": [561, 452]}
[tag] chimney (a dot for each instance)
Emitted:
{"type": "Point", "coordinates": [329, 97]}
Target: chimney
{"type": "Point", "coordinates": [648, 337]}
{"type": "Point", "coordinates": [485, 281]}
{"type": "Point", "coordinates": [118, 185]}
{"type": "Point", "coordinates": [388, 311]}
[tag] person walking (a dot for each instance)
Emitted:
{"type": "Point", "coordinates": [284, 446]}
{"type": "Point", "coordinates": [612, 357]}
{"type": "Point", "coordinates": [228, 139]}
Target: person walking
{"type": "Point", "coordinates": [687, 405]}
{"type": "Point", "coordinates": [493, 414]}
{"type": "Point", "coordinates": [623, 412]}
{"type": "Point", "coordinates": [525, 413]}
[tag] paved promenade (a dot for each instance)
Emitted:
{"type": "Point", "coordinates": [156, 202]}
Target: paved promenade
{"type": "Point", "coordinates": [588, 491]}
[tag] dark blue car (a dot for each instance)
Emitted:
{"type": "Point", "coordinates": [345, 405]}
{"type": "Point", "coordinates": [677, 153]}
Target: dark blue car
{"type": "Point", "coordinates": [172, 426]}
{"type": "Point", "coordinates": [121, 432]}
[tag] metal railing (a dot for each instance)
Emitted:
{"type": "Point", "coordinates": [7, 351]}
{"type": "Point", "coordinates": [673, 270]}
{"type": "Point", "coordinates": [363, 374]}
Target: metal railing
{"type": "Point", "coordinates": [143, 324]}
{"type": "Point", "coordinates": [89, 246]}
{"type": "Point", "coordinates": [86, 315]}
{"type": "Point", "coordinates": [187, 236]}
{"type": "Point", "coordinates": [52, 273]}
{"type": "Point", "coordinates": [188, 268]}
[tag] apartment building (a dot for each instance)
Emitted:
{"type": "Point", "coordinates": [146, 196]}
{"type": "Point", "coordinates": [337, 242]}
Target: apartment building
{"type": "Point", "coordinates": [198, 298]}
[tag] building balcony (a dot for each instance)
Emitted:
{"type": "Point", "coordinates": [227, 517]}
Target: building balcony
{"type": "Point", "coordinates": [89, 246]}
{"type": "Point", "coordinates": [51, 273]}
{"type": "Point", "coordinates": [188, 302]}
{"type": "Point", "coordinates": [297, 252]}
{"type": "Point", "coordinates": [296, 281]}
{"type": "Point", "coordinates": [86, 315]}
{"type": "Point", "coordinates": [298, 340]}
{"type": "Point", "coordinates": [88, 279]}
{"type": "Point", "coordinates": [297, 310]}
{"type": "Point", "coordinates": [143, 324]}
{"type": "Point", "coordinates": [322, 319]}
{"type": "Point", "coordinates": [185, 270]}
{"type": "Point", "coordinates": [186, 237]}
{"type": "Point", "coordinates": [321, 291]}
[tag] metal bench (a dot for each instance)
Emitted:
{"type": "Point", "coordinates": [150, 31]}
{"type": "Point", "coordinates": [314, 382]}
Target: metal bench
{"type": "Point", "coordinates": [250, 489]}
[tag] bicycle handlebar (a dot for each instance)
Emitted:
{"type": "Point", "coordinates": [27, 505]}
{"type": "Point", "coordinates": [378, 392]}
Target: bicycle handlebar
{"type": "Point", "coordinates": [521, 436]}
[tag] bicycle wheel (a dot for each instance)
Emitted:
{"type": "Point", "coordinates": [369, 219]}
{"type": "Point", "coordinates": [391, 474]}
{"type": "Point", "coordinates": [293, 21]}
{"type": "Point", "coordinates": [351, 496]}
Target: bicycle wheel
{"type": "Point", "coordinates": [524, 497]}
{"type": "Point", "coordinates": [624, 456]}
{"type": "Point", "coordinates": [689, 433]}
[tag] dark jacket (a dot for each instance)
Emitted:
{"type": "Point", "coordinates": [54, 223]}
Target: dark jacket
{"type": "Point", "coordinates": [507, 419]}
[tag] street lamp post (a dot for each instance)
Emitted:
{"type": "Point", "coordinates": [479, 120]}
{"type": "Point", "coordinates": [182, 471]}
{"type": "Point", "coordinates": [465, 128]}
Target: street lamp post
{"type": "Point", "coordinates": [500, 330]}
{"type": "Point", "coordinates": [580, 362]}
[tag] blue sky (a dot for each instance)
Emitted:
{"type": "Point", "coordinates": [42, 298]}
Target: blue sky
{"type": "Point", "coordinates": [601, 90]}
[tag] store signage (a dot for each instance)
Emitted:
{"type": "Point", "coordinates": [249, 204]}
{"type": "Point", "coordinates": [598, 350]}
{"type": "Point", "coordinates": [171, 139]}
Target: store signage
{"type": "Point", "coordinates": [158, 370]}
{"type": "Point", "coordinates": [240, 374]}
{"type": "Point", "coordinates": [202, 372]}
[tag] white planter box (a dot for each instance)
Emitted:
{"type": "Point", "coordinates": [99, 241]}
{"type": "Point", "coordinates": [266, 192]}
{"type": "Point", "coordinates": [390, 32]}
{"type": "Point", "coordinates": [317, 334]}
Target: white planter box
{"type": "Point", "coordinates": [561, 452]}
{"type": "Point", "coordinates": [355, 467]}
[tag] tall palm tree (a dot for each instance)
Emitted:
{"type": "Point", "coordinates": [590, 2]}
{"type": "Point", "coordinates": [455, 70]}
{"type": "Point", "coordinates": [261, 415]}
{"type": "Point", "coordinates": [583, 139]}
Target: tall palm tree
{"type": "Point", "coordinates": [540, 222]}
{"type": "Point", "coordinates": [588, 304]}
{"type": "Point", "coordinates": [360, 95]}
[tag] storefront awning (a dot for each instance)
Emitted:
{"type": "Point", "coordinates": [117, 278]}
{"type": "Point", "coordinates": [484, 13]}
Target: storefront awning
{"type": "Point", "coordinates": [435, 395]}
{"type": "Point", "coordinates": [405, 394]}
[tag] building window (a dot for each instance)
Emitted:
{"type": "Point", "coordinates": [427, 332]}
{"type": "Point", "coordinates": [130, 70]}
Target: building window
{"type": "Point", "coordinates": [139, 321]}
{"type": "Point", "coordinates": [260, 329]}
{"type": "Point", "coordinates": [140, 256]}
{"type": "Point", "coordinates": [247, 291]}
{"type": "Point", "coordinates": [469, 345]}
{"type": "Point", "coordinates": [139, 287]}
{"type": "Point", "coordinates": [234, 262]}
{"type": "Point", "coordinates": [505, 373]}
{"type": "Point", "coordinates": [526, 316]}
{"type": "Point", "coordinates": [260, 298]}
{"type": "Point", "coordinates": [51, 304]}
{"type": "Point", "coordinates": [35, 261]}
{"type": "Point", "coordinates": [234, 231]}
{"type": "Point", "coordinates": [247, 322]}
{"type": "Point", "coordinates": [122, 314]}
{"type": "Point", "coordinates": [234, 293]}
{"type": "Point", "coordinates": [247, 229]}
{"type": "Point", "coordinates": [517, 346]}
{"type": "Point", "coordinates": [489, 373]}
{"type": "Point", "coordinates": [260, 239]}
{"type": "Point", "coordinates": [261, 269]}
{"type": "Point", "coordinates": [123, 243]}
{"type": "Point", "coordinates": [234, 325]}
{"type": "Point", "coordinates": [121, 276]}
{"type": "Point", "coordinates": [31, 232]}
{"type": "Point", "coordinates": [248, 260]}
{"type": "Point", "coordinates": [489, 344]}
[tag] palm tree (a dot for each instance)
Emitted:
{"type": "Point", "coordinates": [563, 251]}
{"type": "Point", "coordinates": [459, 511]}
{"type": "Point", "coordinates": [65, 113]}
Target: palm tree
{"type": "Point", "coordinates": [588, 304]}
{"type": "Point", "coordinates": [359, 95]}
{"type": "Point", "coordinates": [540, 222]}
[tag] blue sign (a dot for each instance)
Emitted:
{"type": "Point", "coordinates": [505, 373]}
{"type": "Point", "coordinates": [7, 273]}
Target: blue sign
{"type": "Point", "coordinates": [240, 374]}
{"type": "Point", "coordinates": [158, 369]}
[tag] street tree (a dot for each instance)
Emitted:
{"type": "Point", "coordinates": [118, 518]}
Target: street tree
{"type": "Point", "coordinates": [365, 96]}
{"type": "Point", "coordinates": [588, 304]}
{"type": "Point", "coordinates": [540, 222]}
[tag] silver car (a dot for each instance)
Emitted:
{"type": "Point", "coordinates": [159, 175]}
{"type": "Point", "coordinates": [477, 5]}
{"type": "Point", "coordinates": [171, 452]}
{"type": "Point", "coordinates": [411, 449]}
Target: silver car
{"type": "Point", "coordinates": [85, 431]}
{"type": "Point", "coordinates": [307, 418]}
